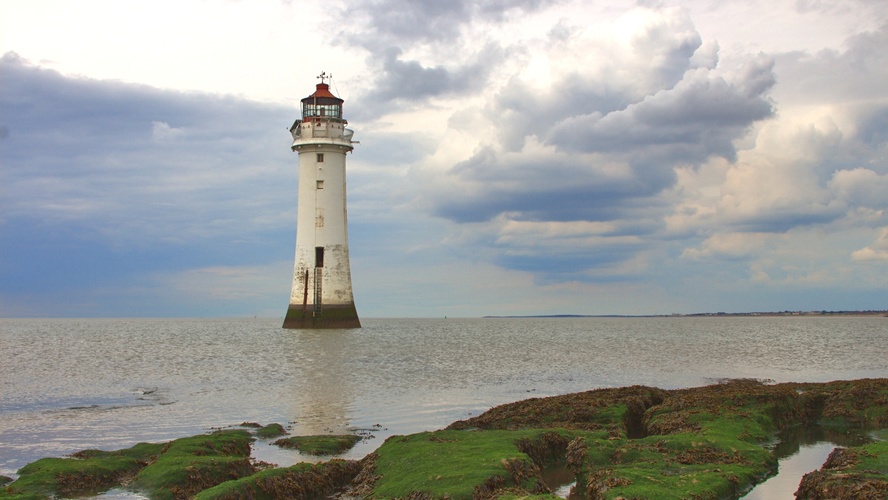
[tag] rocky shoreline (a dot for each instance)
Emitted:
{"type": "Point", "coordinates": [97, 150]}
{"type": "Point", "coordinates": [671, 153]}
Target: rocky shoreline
{"type": "Point", "coordinates": [634, 442]}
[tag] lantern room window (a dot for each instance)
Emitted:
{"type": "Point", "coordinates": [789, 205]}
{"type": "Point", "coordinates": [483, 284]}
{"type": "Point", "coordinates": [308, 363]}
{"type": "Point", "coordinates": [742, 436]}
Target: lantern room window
{"type": "Point", "coordinates": [312, 110]}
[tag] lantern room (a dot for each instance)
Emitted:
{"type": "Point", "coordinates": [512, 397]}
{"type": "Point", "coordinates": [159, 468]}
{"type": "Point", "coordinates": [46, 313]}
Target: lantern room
{"type": "Point", "coordinates": [322, 104]}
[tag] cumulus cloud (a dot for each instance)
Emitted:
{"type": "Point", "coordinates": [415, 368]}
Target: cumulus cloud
{"type": "Point", "coordinates": [878, 251]}
{"type": "Point", "coordinates": [688, 158]}
{"type": "Point", "coordinates": [588, 149]}
{"type": "Point", "coordinates": [435, 35]}
{"type": "Point", "coordinates": [701, 116]}
{"type": "Point", "coordinates": [409, 83]}
{"type": "Point", "coordinates": [861, 187]}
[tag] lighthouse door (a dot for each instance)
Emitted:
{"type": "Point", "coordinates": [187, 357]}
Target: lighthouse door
{"type": "Point", "coordinates": [319, 278]}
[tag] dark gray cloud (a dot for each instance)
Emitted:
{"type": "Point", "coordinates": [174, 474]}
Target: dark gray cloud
{"type": "Point", "coordinates": [700, 117]}
{"type": "Point", "coordinates": [105, 183]}
{"type": "Point", "coordinates": [391, 26]}
{"type": "Point", "coordinates": [526, 111]}
{"type": "Point", "coordinates": [554, 189]}
{"type": "Point", "coordinates": [405, 85]}
{"type": "Point", "coordinates": [406, 81]}
{"type": "Point", "coordinates": [109, 142]}
{"type": "Point", "coordinates": [781, 221]}
{"type": "Point", "coordinates": [873, 130]}
{"type": "Point", "coordinates": [426, 21]}
{"type": "Point", "coordinates": [566, 266]}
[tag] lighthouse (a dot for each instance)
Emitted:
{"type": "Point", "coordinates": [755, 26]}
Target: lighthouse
{"type": "Point", "coordinates": [321, 296]}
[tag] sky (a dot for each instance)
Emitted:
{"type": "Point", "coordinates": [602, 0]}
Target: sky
{"type": "Point", "coordinates": [516, 157]}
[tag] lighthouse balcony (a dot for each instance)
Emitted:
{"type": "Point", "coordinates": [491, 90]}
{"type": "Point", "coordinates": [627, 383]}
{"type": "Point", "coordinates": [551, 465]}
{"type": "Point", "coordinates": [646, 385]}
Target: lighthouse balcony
{"type": "Point", "coordinates": [296, 129]}
{"type": "Point", "coordinates": [321, 129]}
{"type": "Point", "coordinates": [340, 143]}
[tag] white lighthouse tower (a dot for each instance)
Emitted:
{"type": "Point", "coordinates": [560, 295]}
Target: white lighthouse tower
{"type": "Point", "coordinates": [321, 296]}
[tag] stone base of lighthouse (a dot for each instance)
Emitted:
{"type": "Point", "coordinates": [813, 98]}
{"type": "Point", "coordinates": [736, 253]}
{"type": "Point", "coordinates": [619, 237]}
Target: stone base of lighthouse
{"type": "Point", "coordinates": [331, 316]}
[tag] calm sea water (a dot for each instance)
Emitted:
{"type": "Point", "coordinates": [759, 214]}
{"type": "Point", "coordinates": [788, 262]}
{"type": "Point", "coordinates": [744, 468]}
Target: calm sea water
{"type": "Point", "coordinates": [72, 384]}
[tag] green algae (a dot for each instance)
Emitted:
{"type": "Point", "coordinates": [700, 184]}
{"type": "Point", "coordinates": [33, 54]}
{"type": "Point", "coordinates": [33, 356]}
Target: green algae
{"type": "Point", "coordinates": [707, 442]}
{"type": "Point", "coordinates": [271, 431]}
{"type": "Point", "coordinates": [189, 465]}
{"type": "Point", "coordinates": [322, 444]}
{"type": "Point", "coordinates": [462, 463]}
{"type": "Point", "coordinates": [177, 469]}
{"type": "Point", "coordinates": [303, 480]}
{"type": "Point", "coordinates": [84, 473]}
{"type": "Point", "coordinates": [453, 463]}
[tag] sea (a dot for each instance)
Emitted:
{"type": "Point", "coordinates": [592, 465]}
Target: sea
{"type": "Point", "coordinates": [73, 384]}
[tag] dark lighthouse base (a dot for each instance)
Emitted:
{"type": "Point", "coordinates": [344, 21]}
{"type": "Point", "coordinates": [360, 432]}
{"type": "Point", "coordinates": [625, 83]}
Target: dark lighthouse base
{"type": "Point", "coordinates": [331, 316]}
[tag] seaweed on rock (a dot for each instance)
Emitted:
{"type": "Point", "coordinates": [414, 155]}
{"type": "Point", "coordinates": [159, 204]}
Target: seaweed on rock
{"type": "Point", "coordinates": [633, 442]}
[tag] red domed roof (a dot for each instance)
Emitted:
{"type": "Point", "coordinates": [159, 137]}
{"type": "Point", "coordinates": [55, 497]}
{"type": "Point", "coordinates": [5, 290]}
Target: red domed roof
{"type": "Point", "coordinates": [323, 90]}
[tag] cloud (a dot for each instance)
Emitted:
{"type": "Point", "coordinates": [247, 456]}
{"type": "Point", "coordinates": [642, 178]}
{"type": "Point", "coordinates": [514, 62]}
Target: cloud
{"type": "Point", "coordinates": [427, 21]}
{"type": "Point", "coordinates": [134, 158]}
{"type": "Point", "coordinates": [878, 251]}
{"type": "Point", "coordinates": [105, 182]}
{"type": "Point", "coordinates": [581, 74]}
{"type": "Point", "coordinates": [699, 161]}
{"type": "Point", "coordinates": [404, 39]}
{"type": "Point", "coordinates": [401, 82]}
{"type": "Point", "coordinates": [701, 116]}
{"type": "Point", "coordinates": [861, 187]}
{"type": "Point", "coordinates": [161, 131]}
{"type": "Point", "coordinates": [587, 149]}
{"type": "Point", "coordinates": [648, 156]}
{"type": "Point", "coordinates": [729, 246]}
{"type": "Point", "coordinates": [535, 184]}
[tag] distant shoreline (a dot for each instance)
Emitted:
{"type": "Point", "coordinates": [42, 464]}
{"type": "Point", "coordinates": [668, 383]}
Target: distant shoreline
{"type": "Point", "coordinates": [715, 314]}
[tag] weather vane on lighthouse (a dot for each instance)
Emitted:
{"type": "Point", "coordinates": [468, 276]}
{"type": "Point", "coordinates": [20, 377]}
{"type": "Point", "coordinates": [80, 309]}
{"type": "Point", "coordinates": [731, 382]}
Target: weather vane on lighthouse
{"type": "Point", "coordinates": [321, 296]}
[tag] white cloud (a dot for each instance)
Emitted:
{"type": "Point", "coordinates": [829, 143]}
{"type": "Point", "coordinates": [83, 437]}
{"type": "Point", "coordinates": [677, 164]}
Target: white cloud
{"type": "Point", "coordinates": [730, 246]}
{"type": "Point", "coordinates": [861, 187]}
{"type": "Point", "coordinates": [161, 131]}
{"type": "Point", "coordinates": [878, 251]}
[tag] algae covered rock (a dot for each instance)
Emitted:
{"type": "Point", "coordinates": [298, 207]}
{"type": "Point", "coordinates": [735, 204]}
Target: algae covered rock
{"type": "Point", "coordinates": [83, 473]}
{"type": "Point", "coordinates": [189, 465]}
{"type": "Point", "coordinates": [851, 473]}
{"type": "Point", "coordinates": [271, 431]}
{"type": "Point", "coordinates": [635, 442]}
{"type": "Point", "coordinates": [602, 409]}
{"type": "Point", "coordinates": [301, 481]}
{"type": "Point", "coordinates": [324, 444]}
{"type": "Point", "coordinates": [177, 469]}
{"type": "Point", "coordinates": [458, 464]}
